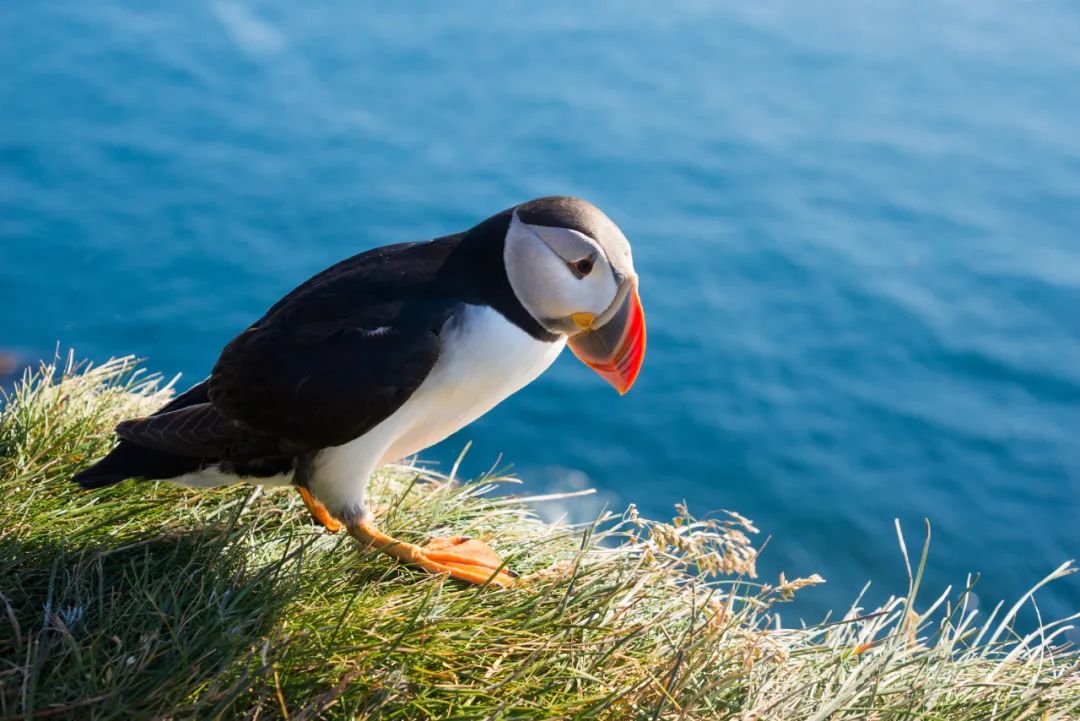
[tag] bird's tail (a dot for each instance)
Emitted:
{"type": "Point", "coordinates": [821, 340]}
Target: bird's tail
{"type": "Point", "coordinates": [111, 469]}
{"type": "Point", "coordinates": [93, 477]}
{"type": "Point", "coordinates": [129, 460]}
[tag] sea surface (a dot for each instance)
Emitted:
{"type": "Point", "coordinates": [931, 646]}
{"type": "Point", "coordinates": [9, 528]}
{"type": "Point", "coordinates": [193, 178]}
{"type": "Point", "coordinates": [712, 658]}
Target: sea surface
{"type": "Point", "coordinates": [857, 227]}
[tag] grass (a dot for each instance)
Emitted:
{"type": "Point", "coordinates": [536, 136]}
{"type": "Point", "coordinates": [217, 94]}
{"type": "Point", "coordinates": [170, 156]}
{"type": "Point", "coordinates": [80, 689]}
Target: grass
{"type": "Point", "coordinates": [149, 601]}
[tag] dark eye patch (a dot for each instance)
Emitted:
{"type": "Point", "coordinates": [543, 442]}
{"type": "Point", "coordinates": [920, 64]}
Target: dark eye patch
{"type": "Point", "coordinates": [583, 266]}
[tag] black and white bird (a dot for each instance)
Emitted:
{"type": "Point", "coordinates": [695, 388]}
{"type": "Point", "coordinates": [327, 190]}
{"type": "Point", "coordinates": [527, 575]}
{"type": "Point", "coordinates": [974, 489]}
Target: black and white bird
{"type": "Point", "coordinates": [389, 352]}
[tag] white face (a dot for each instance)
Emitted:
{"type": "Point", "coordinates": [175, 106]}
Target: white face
{"type": "Point", "coordinates": [561, 276]}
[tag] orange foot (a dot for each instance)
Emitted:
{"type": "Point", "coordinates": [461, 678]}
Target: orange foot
{"type": "Point", "coordinates": [467, 559]}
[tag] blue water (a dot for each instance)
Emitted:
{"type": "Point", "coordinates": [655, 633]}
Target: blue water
{"type": "Point", "coordinates": [857, 227]}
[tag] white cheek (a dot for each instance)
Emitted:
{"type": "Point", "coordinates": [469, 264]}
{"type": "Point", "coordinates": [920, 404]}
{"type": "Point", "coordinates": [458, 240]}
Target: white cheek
{"type": "Point", "coordinates": [562, 296]}
{"type": "Point", "coordinates": [545, 285]}
{"type": "Point", "coordinates": [597, 290]}
{"type": "Point", "coordinates": [567, 294]}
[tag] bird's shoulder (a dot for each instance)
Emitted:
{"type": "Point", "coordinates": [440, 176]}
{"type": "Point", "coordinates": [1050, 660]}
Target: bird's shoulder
{"type": "Point", "coordinates": [377, 277]}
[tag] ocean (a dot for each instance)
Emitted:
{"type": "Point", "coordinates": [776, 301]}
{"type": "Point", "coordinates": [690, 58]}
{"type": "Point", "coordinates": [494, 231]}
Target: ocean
{"type": "Point", "coordinates": [857, 227]}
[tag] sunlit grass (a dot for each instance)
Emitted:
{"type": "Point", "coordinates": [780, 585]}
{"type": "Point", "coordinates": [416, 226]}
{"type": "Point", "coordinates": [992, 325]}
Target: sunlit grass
{"type": "Point", "coordinates": [148, 601]}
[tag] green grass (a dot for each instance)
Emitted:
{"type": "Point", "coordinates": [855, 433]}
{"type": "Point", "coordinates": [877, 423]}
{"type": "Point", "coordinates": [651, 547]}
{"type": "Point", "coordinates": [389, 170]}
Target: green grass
{"type": "Point", "coordinates": [149, 601]}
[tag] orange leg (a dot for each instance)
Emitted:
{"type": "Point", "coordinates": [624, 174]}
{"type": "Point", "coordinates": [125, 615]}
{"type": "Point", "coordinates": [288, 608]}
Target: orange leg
{"type": "Point", "coordinates": [319, 512]}
{"type": "Point", "coordinates": [463, 558]}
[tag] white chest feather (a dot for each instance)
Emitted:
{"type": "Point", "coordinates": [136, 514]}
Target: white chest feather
{"type": "Point", "coordinates": [484, 359]}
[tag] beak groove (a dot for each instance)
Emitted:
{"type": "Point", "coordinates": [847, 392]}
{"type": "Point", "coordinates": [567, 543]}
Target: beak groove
{"type": "Point", "coordinates": [616, 349]}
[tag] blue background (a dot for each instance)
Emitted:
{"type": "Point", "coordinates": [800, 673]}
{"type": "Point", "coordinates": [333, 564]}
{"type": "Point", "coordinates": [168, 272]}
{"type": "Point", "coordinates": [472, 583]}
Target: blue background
{"type": "Point", "coordinates": [857, 227]}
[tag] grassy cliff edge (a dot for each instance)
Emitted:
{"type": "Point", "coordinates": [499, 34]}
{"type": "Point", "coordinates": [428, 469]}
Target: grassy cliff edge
{"type": "Point", "coordinates": [149, 601]}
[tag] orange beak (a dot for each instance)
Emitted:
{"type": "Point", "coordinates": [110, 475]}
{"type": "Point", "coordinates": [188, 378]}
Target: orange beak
{"type": "Point", "coordinates": [616, 349]}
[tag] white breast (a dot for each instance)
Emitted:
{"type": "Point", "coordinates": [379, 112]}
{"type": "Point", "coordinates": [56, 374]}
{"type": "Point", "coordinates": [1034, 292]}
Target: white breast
{"type": "Point", "coordinates": [483, 359]}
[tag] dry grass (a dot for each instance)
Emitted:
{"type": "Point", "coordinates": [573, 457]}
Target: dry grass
{"type": "Point", "coordinates": [147, 601]}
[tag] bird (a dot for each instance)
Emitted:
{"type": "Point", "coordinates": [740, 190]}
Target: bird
{"type": "Point", "coordinates": [385, 354]}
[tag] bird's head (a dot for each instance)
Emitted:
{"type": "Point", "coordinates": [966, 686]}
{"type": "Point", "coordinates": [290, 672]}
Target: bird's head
{"type": "Point", "coordinates": [571, 268]}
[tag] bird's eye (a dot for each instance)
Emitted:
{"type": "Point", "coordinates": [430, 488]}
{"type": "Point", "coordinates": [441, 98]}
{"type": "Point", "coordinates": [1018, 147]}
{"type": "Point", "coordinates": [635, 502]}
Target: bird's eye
{"type": "Point", "coordinates": [582, 267]}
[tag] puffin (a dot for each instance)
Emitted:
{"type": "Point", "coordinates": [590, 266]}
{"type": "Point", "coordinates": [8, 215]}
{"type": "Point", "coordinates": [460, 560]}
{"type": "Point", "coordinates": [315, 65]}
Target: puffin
{"type": "Point", "coordinates": [389, 352]}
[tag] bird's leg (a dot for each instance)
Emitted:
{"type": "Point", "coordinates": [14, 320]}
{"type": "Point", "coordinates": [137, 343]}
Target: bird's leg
{"type": "Point", "coordinates": [463, 558]}
{"type": "Point", "coordinates": [318, 511]}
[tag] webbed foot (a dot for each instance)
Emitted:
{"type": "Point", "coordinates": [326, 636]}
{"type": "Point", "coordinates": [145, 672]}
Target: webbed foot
{"type": "Point", "coordinates": [467, 559]}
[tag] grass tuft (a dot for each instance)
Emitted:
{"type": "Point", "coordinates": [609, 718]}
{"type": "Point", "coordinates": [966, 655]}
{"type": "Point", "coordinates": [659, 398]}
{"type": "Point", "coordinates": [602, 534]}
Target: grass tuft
{"type": "Point", "coordinates": [148, 601]}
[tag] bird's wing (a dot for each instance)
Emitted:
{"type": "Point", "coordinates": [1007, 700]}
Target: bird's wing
{"type": "Point", "coordinates": [188, 425]}
{"type": "Point", "coordinates": [342, 352]}
{"type": "Point", "coordinates": [197, 430]}
{"type": "Point", "coordinates": [324, 382]}
{"type": "Point", "coordinates": [327, 363]}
